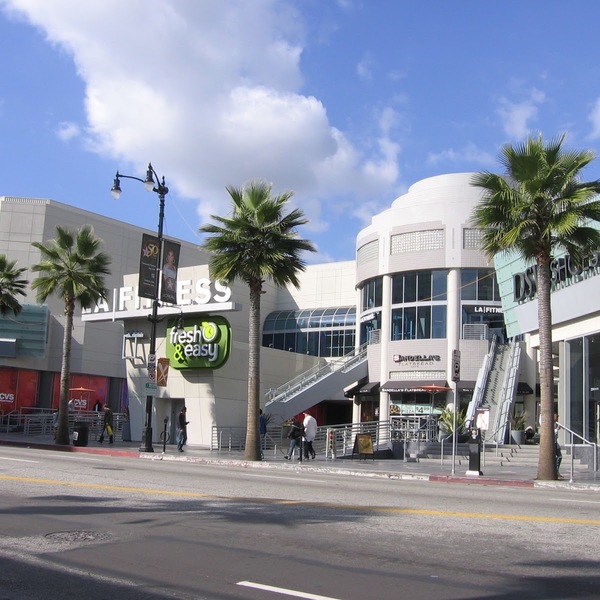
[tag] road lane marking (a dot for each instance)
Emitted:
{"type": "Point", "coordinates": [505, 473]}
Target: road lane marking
{"type": "Point", "coordinates": [572, 500]}
{"type": "Point", "coordinates": [19, 459]}
{"type": "Point", "coordinates": [278, 590]}
{"type": "Point", "coordinates": [357, 507]}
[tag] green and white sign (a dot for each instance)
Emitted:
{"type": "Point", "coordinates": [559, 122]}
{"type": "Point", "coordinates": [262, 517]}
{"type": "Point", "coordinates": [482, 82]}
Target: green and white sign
{"type": "Point", "coordinates": [203, 343]}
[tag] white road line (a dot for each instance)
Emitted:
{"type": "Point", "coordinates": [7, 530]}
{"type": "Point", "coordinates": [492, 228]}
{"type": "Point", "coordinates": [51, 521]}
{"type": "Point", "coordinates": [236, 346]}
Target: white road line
{"type": "Point", "coordinates": [18, 459]}
{"type": "Point", "coordinates": [277, 590]}
{"type": "Point", "coordinates": [573, 500]}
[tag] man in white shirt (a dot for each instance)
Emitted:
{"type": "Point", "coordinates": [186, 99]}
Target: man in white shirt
{"type": "Point", "coordinates": [310, 432]}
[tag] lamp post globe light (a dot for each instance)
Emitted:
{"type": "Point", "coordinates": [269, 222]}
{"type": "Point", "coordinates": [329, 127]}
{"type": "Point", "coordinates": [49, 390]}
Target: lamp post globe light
{"type": "Point", "coordinates": [153, 184]}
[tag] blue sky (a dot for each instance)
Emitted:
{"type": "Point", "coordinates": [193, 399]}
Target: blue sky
{"type": "Point", "coordinates": [344, 102]}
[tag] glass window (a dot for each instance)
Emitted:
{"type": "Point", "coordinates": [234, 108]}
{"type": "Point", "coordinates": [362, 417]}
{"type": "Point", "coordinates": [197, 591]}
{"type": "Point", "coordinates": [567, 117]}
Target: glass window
{"type": "Point", "coordinates": [372, 293]}
{"type": "Point", "coordinates": [339, 318]}
{"type": "Point", "coordinates": [410, 287]}
{"type": "Point", "coordinates": [485, 286]}
{"type": "Point", "coordinates": [438, 321]}
{"type": "Point", "coordinates": [290, 341]}
{"type": "Point", "coordinates": [397, 288]}
{"type": "Point", "coordinates": [269, 323]}
{"type": "Point", "coordinates": [278, 341]}
{"type": "Point", "coordinates": [423, 322]}
{"type": "Point", "coordinates": [302, 342]}
{"type": "Point", "coordinates": [439, 285]}
{"type": "Point", "coordinates": [314, 321]}
{"type": "Point", "coordinates": [396, 324]}
{"type": "Point", "coordinates": [409, 323]}
{"type": "Point", "coordinates": [302, 319]}
{"type": "Point", "coordinates": [424, 285]}
{"type": "Point", "coordinates": [468, 284]}
{"type": "Point", "coordinates": [327, 318]}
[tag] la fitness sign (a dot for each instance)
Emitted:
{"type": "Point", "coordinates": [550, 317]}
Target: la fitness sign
{"type": "Point", "coordinates": [203, 343]}
{"type": "Point", "coordinates": [126, 302]}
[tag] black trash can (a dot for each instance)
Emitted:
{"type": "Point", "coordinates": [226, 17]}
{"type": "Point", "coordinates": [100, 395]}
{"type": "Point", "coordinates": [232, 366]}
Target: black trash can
{"type": "Point", "coordinates": [80, 433]}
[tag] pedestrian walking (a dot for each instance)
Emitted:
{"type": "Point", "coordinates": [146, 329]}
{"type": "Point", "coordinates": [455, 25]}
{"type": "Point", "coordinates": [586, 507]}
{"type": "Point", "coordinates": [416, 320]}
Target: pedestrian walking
{"type": "Point", "coordinates": [557, 450]}
{"type": "Point", "coordinates": [295, 436]}
{"type": "Point", "coordinates": [107, 425]}
{"type": "Point", "coordinates": [310, 433]}
{"type": "Point", "coordinates": [182, 429]}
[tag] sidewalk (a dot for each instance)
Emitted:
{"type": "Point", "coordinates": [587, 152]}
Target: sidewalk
{"type": "Point", "coordinates": [423, 470]}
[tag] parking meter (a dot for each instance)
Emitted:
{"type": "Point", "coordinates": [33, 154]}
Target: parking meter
{"type": "Point", "coordinates": [474, 452]}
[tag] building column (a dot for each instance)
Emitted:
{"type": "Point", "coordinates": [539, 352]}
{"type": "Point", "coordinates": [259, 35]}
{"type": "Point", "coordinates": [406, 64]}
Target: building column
{"type": "Point", "coordinates": [385, 334]}
{"type": "Point", "coordinates": [452, 328]}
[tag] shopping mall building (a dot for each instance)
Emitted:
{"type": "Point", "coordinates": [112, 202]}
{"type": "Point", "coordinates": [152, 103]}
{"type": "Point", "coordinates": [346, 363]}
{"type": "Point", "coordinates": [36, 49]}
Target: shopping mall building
{"type": "Point", "coordinates": [414, 323]}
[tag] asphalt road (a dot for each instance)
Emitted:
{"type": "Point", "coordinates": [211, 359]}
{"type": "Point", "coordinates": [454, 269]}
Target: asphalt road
{"type": "Point", "coordinates": [93, 527]}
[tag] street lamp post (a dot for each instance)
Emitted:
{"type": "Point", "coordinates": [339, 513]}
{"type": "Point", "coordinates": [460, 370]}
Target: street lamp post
{"type": "Point", "coordinates": [153, 184]}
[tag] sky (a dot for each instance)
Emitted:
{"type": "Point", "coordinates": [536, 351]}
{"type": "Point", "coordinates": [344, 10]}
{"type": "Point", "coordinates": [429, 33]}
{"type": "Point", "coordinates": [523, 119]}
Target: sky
{"type": "Point", "coordinates": [345, 103]}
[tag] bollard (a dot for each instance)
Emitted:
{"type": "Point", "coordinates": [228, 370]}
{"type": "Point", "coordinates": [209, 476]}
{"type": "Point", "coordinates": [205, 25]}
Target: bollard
{"type": "Point", "coordinates": [475, 452]}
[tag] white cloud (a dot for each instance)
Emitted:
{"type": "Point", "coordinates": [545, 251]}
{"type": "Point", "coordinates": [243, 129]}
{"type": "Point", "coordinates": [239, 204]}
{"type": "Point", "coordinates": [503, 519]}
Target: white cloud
{"type": "Point", "coordinates": [67, 131]}
{"type": "Point", "coordinates": [516, 116]}
{"type": "Point", "coordinates": [469, 157]}
{"type": "Point", "coordinates": [211, 93]}
{"type": "Point", "coordinates": [364, 68]}
{"type": "Point", "coordinates": [594, 117]}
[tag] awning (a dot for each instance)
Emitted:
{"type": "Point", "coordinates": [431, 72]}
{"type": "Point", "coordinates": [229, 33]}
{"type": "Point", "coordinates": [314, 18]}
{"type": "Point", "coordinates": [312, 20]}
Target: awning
{"type": "Point", "coordinates": [466, 386]}
{"type": "Point", "coordinates": [352, 389]}
{"type": "Point", "coordinates": [399, 386]}
{"type": "Point", "coordinates": [361, 387]}
{"type": "Point", "coordinates": [523, 389]}
{"type": "Point", "coordinates": [372, 387]}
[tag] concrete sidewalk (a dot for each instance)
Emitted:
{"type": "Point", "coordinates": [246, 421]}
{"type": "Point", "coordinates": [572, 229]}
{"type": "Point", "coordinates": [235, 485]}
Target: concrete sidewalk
{"type": "Point", "coordinates": [423, 470]}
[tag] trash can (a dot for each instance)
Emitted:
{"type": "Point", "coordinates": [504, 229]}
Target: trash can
{"type": "Point", "coordinates": [80, 433]}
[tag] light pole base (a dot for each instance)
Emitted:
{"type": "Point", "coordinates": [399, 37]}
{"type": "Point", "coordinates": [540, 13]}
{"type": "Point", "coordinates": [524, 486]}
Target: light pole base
{"type": "Point", "coordinates": [146, 440]}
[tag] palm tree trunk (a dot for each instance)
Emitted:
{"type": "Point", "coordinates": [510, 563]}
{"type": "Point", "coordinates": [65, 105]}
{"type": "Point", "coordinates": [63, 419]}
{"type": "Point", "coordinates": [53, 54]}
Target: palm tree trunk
{"type": "Point", "coordinates": [547, 461]}
{"type": "Point", "coordinates": [252, 434]}
{"type": "Point", "coordinates": [62, 435]}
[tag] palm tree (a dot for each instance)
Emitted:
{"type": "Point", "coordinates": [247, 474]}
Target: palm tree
{"type": "Point", "coordinates": [11, 285]}
{"type": "Point", "coordinates": [72, 268]}
{"type": "Point", "coordinates": [537, 210]}
{"type": "Point", "coordinates": [257, 242]}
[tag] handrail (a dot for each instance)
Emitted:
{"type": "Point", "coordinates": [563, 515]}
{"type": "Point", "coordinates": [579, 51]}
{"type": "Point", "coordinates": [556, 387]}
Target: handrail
{"type": "Point", "coordinates": [585, 441]}
{"type": "Point", "coordinates": [317, 372]}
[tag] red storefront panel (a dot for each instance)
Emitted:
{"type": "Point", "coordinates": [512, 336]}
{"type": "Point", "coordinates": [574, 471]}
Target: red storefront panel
{"type": "Point", "coordinates": [18, 389]}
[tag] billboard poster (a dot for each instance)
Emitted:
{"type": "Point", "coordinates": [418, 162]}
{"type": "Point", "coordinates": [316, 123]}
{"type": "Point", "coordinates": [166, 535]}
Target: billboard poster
{"type": "Point", "coordinates": [168, 289]}
{"type": "Point", "coordinates": [148, 266]}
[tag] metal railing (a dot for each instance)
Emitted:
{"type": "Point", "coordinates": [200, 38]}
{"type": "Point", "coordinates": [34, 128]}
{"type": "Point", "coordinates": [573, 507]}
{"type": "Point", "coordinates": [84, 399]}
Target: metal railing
{"type": "Point", "coordinates": [38, 422]}
{"type": "Point", "coordinates": [316, 373]}
{"type": "Point", "coordinates": [233, 439]}
{"type": "Point", "coordinates": [585, 442]}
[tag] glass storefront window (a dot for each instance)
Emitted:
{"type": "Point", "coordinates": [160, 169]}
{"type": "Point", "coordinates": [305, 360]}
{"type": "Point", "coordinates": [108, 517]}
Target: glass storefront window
{"type": "Point", "coordinates": [372, 295]}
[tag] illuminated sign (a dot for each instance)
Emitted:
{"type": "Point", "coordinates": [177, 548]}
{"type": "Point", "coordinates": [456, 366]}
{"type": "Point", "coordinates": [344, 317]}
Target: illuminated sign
{"type": "Point", "coordinates": [202, 343]}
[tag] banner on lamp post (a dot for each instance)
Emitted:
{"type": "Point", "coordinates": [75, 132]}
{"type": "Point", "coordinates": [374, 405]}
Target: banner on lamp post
{"type": "Point", "coordinates": [148, 266]}
{"type": "Point", "coordinates": [168, 289]}
{"type": "Point", "coordinates": [162, 372]}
